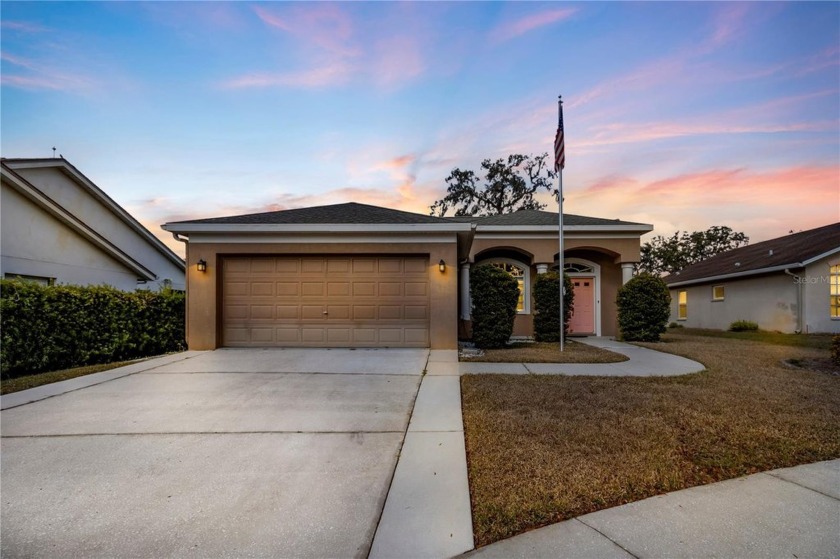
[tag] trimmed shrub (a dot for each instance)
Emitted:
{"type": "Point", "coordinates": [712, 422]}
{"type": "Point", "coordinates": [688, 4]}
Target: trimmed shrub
{"type": "Point", "coordinates": [835, 349]}
{"type": "Point", "coordinates": [743, 326]}
{"type": "Point", "coordinates": [494, 295]}
{"type": "Point", "coordinates": [675, 325]}
{"type": "Point", "coordinates": [547, 306]}
{"type": "Point", "coordinates": [644, 306]}
{"type": "Point", "coordinates": [58, 327]}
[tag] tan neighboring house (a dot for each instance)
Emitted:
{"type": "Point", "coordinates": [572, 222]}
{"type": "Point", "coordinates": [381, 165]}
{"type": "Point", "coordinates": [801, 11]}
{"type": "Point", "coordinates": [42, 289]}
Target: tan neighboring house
{"type": "Point", "coordinates": [790, 284]}
{"type": "Point", "coordinates": [58, 227]}
{"type": "Point", "coordinates": [355, 275]}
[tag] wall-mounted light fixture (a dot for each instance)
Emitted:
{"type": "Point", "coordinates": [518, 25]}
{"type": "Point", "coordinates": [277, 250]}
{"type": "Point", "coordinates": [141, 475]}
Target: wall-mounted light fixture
{"type": "Point", "coordinates": [442, 266]}
{"type": "Point", "coordinates": [201, 266]}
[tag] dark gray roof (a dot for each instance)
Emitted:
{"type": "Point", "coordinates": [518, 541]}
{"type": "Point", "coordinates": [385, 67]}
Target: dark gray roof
{"type": "Point", "coordinates": [350, 212]}
{"type": "Point", "coordinates": [538, 217]}
{"type": "Point", "coordinates": [789, 251]}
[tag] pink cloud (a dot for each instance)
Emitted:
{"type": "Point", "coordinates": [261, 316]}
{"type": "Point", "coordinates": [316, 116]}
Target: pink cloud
{"type": "Point", "coordinates": [335, 74]}
{"type": "Point", "coordinates": [323, 25]}
{"type": "Point", "coordinates": [23, 26]}
{"type": "Point", "coordinates": [512, 29]}
{"type": "Point", "coordinates": [34, 75]}
{"type": "Point", "coordinates": [397, 60]}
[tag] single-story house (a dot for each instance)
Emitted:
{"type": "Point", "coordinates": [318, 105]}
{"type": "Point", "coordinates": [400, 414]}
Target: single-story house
{"type": "Point", "coordinates": [58, 227]}
{"type": "Point", "coordinates": [355, 275]}
{"type": "Point", "coordinates": [788, 284]}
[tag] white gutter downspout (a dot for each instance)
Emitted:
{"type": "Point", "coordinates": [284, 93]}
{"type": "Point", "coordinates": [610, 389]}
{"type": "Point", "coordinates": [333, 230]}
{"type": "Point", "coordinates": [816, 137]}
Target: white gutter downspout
{"type": "Point", "coordinates": [184, 240]}
{"type": "Point", "coordinates": [799, 315]}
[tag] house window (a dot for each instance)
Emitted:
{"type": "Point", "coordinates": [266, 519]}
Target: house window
{"type": "Point", "coordinates": [682, 312]}
{"type": "Point", "coordinates": [717, 293]}
{"type": "Point", "coordinates": [576, 268]}
{"type": "Point", "coordinates": [520, 274]}
{"type": "Point", "coordinates": [834, 293]}
{"type": "Point", "coordinates": [32, 279]}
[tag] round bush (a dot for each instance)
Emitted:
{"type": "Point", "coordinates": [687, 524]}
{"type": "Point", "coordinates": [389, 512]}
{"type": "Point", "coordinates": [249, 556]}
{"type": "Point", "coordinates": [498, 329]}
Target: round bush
{"type": "Point", "coordinates": [547, 306]}
{"type": "Point", "coordinates": [494, 295]}
{"type": "Point", "coordinates": [644, 306]}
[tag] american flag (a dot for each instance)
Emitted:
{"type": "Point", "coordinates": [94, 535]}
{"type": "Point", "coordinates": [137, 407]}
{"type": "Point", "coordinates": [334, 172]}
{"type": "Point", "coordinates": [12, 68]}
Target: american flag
{"type": "Point", "coordinates": [559, 142]}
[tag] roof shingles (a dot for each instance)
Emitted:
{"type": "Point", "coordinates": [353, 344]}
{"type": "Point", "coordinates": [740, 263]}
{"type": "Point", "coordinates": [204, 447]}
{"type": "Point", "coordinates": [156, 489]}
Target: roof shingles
{"type": "Point", "coordinates": [788, 251]}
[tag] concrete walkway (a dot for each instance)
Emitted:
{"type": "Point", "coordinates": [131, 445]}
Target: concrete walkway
{"type": "Point", "coordinates": [427, 512]}
{"type": "Point", "coordinates": [642, 362]}
{"type": "Point", "coordinates": [792, 512]}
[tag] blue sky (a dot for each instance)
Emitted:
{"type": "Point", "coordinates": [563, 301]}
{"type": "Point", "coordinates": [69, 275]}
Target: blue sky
{"type": "Point", "coordinates": [684, 115]}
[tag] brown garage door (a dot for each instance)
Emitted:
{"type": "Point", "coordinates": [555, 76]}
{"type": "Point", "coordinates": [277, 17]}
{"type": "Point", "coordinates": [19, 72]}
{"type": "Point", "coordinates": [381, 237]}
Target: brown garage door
{"type": "Point", "coordinates": [325, 301]}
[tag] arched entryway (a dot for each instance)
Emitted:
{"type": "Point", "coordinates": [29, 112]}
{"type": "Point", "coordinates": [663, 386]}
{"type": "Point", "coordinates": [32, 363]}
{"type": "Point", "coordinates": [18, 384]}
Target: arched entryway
{"type": "Point", "coordinates": [586, 282]}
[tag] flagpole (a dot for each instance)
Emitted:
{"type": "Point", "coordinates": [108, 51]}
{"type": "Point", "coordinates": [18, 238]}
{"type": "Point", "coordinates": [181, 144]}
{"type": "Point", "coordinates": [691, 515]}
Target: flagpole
{"type": "Point", "coordinates": [561, 265]}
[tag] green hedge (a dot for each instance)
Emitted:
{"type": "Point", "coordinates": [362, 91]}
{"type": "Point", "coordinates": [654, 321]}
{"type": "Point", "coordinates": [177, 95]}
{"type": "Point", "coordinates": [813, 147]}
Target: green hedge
{"type": "Point", "coordinates": [494, 295]}
{"type": "Point", "coordinates": [644, 306]}
{"type": "Point", "coordinates": [51, 328]}
{"type": "Point", "coordinates": [743, 326]}
{"type": "Point", "coordinates": [547, 306]}
{"type": "Point", "coordinates": [835, 349]}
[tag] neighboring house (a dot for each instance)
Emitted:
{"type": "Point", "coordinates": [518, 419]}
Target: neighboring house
{"type": "Point", "coordinates": [60, 228]}
{"type": "Point", "coordinates": [789, 284]}
{"type": "Point", "coordinates": [354, 275]}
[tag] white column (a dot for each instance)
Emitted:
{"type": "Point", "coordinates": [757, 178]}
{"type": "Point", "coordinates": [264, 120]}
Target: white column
{"type": "Point", "coordinates": [466, 303]}
{"type": "Point", "coordinates": [542, 268]}
{"type": "Point", "coordinates": [626, 272]}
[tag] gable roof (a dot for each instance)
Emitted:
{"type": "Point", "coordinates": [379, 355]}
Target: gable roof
{"type": "Point", "coordinates": [349, 213]}
{"type": "Point", "coordinates": [539, 217]}
{"type": "Point", "coordinates": [13, 164]}
{"type": "Point", "coordinates": [791, 251]}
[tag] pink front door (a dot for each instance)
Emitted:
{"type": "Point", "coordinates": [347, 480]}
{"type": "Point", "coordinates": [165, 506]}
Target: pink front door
{"type": "Point", "coordinates": [583, 313]}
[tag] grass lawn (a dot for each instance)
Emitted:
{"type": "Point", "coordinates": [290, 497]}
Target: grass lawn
{"type": "Point", "coordinates": [8, 386]}
{"type": "Point", "coordinates": [545, 352]}
{"type": "Point", "coordinates": [819, 341]}
{"type": "Point", "coordinates": [542, 449]}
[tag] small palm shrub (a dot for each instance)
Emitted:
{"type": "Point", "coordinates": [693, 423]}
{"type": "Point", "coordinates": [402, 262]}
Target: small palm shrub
{"type": "Point", "coordinates": [644, 306]}
{"type": "Point", "coordinates": [547, 306]}
{"type": "Point", "coordinates": [494, 295]}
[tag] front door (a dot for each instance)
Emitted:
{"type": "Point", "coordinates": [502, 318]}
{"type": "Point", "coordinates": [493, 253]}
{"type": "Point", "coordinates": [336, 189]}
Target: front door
{"type": "Point", "coordinates": [583, 313]}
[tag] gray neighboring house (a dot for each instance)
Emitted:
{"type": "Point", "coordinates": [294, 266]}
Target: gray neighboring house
{"type": "Point", "coordinates": [58, 227]}
{"type": "Point", "coordinates": [789, 284]}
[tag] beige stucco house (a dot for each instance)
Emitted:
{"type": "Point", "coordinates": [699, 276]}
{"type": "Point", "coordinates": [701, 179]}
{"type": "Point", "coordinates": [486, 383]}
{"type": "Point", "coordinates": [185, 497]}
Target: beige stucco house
{"type": "Point", "coordinates": [58, 227]}
{"type": "Point", "coordinates": [354, 275]}
{"type": "Point", "coordinates": [788, 284]}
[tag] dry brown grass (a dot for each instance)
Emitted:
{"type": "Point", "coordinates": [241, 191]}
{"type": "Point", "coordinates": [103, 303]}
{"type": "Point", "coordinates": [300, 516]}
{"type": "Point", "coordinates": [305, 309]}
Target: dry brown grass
{"type": "Point", "coordinates": [7, 386]}
{"type": "Point", "coordinates": [545, 352]}
{"type": "Point", "coordinates": [542, 449]}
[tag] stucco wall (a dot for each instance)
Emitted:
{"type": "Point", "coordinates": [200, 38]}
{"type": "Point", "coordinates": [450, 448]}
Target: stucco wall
{"type": "Point", "coordinates": [34, 243]}
{"type": "Point", "coordinates": [770, 301]}
{"type": "Point", "coordinates": [67, 193]}
{"type": "Point", "coordinates": [815, 294]}
{"type": "Point", "coordinates": [203, 289]}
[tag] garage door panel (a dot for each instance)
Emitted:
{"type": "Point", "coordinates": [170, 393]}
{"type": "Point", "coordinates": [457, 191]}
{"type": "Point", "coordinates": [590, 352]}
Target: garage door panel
{"type": "Point", "coordinates": [369, 301]}
{"type": "Point", "coordinates": [287, 289]}
{"type": "Point", "coordinates": [390, 289]}
{"type": "Point", "coordinates": [313, 265]}
{"type": "Point", "coordinates": [312, 312]}
{"type": "Point", "coordinates": [287, 312]}
{"type": "Point", "coordinates": [338, 289]}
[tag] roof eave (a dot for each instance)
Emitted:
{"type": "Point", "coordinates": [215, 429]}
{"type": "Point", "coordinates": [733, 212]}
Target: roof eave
{"type": "Point", "coordinates": [79, 178]}
{"type": "Point", "coordinates": [734, 275]}
{"type": "Point", "coordinates": [326, 228]}
{"type": "Point", "coordinates": [618, 228]}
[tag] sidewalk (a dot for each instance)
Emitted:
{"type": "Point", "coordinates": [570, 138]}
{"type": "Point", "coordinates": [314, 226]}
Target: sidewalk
{"type": "Point", "coordinates": [792, 512]}
{"type": "Point", "coordinates": [642, 362]}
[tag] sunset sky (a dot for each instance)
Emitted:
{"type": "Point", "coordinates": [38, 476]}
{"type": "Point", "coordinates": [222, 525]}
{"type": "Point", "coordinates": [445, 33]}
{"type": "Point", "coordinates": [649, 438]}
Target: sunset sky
{"type": "Point", "coordinates": [683, 115]}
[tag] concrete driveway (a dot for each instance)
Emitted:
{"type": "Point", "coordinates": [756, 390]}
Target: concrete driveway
{"type": "Point", "coordinates": [283, 453]}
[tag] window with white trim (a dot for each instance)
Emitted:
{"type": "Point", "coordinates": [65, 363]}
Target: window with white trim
{"type": "Point", "coordinates": [521, 273]}
{"type": "Point", "coordinates": [718, 293]}
{"type": "Point", "coordinates": [834, 291]}
{"type": "Point", "coordinates": [682, 306]}
{"type": "Point", "coordinates": [33, 279]}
